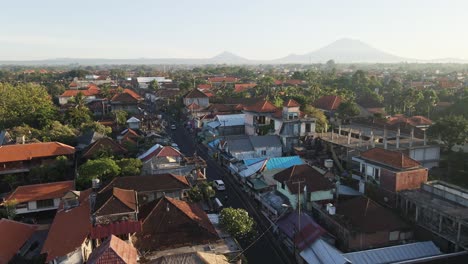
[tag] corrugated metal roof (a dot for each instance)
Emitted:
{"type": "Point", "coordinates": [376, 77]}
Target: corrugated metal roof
{"type": "Point", "coordinates": [249, 162]}
{"type": "Point", "coordinates": [283, 162]}
{"type": "Point", "coordinates": [253, 168]}
{"type": "Point", "coordinates": [322, 252]}
{"type": "Point", "coordinates": [394, 254]}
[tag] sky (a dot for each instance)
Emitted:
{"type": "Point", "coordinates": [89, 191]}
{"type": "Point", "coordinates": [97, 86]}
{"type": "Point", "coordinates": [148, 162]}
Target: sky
{"type": "Point", "coordinates": [253, 29]}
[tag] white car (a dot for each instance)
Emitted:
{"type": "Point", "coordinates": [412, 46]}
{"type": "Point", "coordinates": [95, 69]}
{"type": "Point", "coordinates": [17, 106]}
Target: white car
{"type": "Point", "coordinates": [173, 127]}
{"type": "Point", "coordinates": [219, 185]}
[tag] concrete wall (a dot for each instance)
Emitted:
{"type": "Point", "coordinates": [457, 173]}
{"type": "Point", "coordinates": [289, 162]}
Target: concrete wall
{"type": "Point", "coordinates": [32, 207]}
{"type": "Point", "coordinates": [203, 102]}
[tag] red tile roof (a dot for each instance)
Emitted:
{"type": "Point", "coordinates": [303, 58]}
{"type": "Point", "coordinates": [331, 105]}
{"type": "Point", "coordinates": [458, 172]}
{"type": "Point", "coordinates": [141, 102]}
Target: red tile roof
{"type": "Point", "coordinates": [328, 102]}
{"type": "Point", "coordinates": [44, 191]}
{"type": "Point", "coordinates": [115, 228]}
{"type": "Point", "coordinates": [69, 229]}
{"type": "Point", "coordinates": [14, 236]}
{"type": "Point", "coordinates": [20, 152]}
{"type": "Point", "coordinates": [73, 93]}
{"type": "Point", "coordinates": [222, 79]}
{"type": "Point", "coordinates": [126, 96]}
{"type": "Point", "coordinates": [261, 106]}
{"type": "Point", "coordinates": [173, 223]}
{"type": "Point", "coordinates": [240, 87]}
{"type": "Point", "coordinates": [209, 94]}
{"type": "Point", "coordinates": [163, 151]}
{"type": "Point", "coordinates": [114, 251]}
{"type": "Point", "coordinates": [313, 179]}
{"type": "Point", "coordinates": [73, 84]}
{"type": "Point", "coordinates": [195, 93]}
{"type": "Point", "coordinates": [390, 158]}
{"type": "Point", "coordinates": [291, 103]}
{"type": "Point", "coordinates": [367, 216]}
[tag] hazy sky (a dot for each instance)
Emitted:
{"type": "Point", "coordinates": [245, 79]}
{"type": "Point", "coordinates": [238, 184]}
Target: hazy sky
{"type": "Point", "coordinates": [32, 29]}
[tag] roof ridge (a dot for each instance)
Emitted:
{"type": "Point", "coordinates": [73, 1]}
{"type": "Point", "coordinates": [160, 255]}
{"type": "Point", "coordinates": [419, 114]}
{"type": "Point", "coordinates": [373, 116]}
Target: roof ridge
{"type": "Point", "coordinates": [175, 203]}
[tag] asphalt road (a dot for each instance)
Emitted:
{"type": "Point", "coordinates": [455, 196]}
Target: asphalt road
{"type": "Point", "coordinates": [266, 249]}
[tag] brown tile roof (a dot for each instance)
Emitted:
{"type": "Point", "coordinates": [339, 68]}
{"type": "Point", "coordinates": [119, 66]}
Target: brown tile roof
{"type": "Point", "coordinates": [291, 103]}
{"type": "Point", "coordinates": [174, 223]}
{"type": "Point", "coordinates": [192, 258]}
{"type": "Point", "coordinates": [14, 236]}
{"type": "Point", "coordinates": [115, 201]}
{"type": "Point", "coordinates": [261, 106]}
{"type": "Point", "coordinates": [313, 179]}
{"type": "Point", "coordinates": [20, 152]}
{"type": "Point", "coordinates": [240, 87]}
{"type": "Point", "coordinates": [73, 84]}
{"type": "Point", "coordinates": [365, 215]}
{"type": "Point", "coordinates": [157, 182]}
{"type": "Point", "coordinates": [42, 191]}
{"type": "Point", "coordinates": [115, 251]}
{"type": "Point", "coordinates": [69, 229]}
{"type": "Point", "coordinates": [328, 102]}
{"type": "Point", "coordinates": [226, 108]}
{"type": "Point", "coordinates": [195, 93]}
{"type": "Point", "coordinates": [390, 158]}
{"type": "Point", "coordinates": [103, 144]}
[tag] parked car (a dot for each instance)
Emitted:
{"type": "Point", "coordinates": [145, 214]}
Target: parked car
{"type": "Point", "coordinates": [173, 127]}
{"type": "Point", "coordinates": [219, 185]}
{"type": "Point", "coordinates": [218, 206]}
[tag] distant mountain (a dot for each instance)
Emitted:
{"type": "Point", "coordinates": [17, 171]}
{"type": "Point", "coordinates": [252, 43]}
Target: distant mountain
{"type": "Point", "coordinates": [341, 51]}
{"type": "Point", "coordinates": [229, 58]}
{"type": "Point", "coordinates": [344, 51]}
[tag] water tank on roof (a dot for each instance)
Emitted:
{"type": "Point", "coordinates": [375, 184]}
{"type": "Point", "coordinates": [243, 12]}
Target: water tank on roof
{"type": "Point", "coordinates": [95, 183]}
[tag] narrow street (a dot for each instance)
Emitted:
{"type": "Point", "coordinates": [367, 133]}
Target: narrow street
{"type": "Point", "coordinates": [266, 249]}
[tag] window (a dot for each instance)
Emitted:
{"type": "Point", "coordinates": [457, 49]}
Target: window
{"type": "Point", "coordinates": [394, 235]}
{"type": "Point", "coordinates": [377, 174]}
{"type": "Point", "coordinates": [282, 186]}
{"type": "Point", "coordinates": [22, 206]}
{"type": "Point", "coordinates": [307, 128]}
{"type": "Point", "coordinates": [263, 152]}
{"type": "Point", "coordinates": [45, 203]}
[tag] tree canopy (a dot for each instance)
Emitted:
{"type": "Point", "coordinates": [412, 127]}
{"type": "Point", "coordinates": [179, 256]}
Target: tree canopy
{"type": "Point", "coordinates": [237, 222]}
{"type": "Point", "coordinates": [25, 103]}
{"type": "Point", "coordinates": [451, 130]}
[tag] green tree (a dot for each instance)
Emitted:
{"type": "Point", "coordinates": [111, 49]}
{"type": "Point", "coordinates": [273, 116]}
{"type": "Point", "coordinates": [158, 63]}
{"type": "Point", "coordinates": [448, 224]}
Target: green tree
{"type": "Point", "coordinates": [59, 132]}
{"type": "Point", "coordinates": [321, 120]}
{"type": "Point", "coordinates": [97, 127]}
{"type": "Point", "coordinates": [120, 117]}
{"type": "Point", "coordinates": [129, 166]}
{"type": "Point", "coordinates": [9, 209]}
{"type": "Point", "coordinates": [195, 194]}
{"type": "Point", "coordinates": [237, 222]}
{"type": "Point", "coordinates": [451, 130]}
{"type": "Point", "coordinates": [103, 168]}
{"type": "Point", "coordinates": [77, 116]}
{"type": "Point", "coordinates": [153, 85]}
{"type": "Point", "coordinates": [25, 103]}
{"type": "Point", "coordinates": [347, 110]}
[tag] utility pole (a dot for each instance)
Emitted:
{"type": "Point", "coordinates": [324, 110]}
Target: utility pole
{"type": "Point", "coordinates": [299, 192]}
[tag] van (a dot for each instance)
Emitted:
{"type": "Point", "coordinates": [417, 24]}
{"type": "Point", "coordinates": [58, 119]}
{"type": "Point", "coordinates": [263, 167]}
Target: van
{"type": "Point", "coordinates": [219, 185]}
{"type": "Point", "coordinates": [218, 206]}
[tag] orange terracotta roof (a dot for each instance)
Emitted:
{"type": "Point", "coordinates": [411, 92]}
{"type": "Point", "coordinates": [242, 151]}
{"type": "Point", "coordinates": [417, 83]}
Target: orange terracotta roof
{"type": "Point", "coordinates": [390, 158]}
{"type": "Point", "coordinates": [42, 191]}
{"type": "Point", "coordinates": [115, 201]}
{"type": "Point", "coordinates": [240, 87]}
{"type": "Point", "coordinates": [204, 86]}
{"type": "Point", "coordinates": [114, 250]}
{"type": "Point", "coordinates": [209, 94]}
{"type": "Point", "coordinates": [14, 235]}
{"type": "Point", "coordinates": [126, 95]}
{"type": "Point", "coordinates": [103, 144]}
{"type": "Point", "coordinates": [328, 102]}
{"type": "Point", "coordinates": [165, 151]}
{"type": "Point", "coordinates": [69, 229]}
{"type": "Point", "coordinates": [261, 106]}
{"type": "Point", "coordinates": [291, 103]}
{"type": "Point", "coordinates": [72, 93]}
{"type": "Point", "coordinates": [20, 152]}
{"type": "Point", "coordinates": [73, 84]}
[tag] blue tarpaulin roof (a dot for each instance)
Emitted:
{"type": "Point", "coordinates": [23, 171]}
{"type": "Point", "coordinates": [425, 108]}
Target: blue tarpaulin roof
{"type": "Point", "coordinates": [249, 162]}
{"type": "Point", "coordinates": [214, 143]}
{"type": "Point", "coordinates": [283, 162]}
